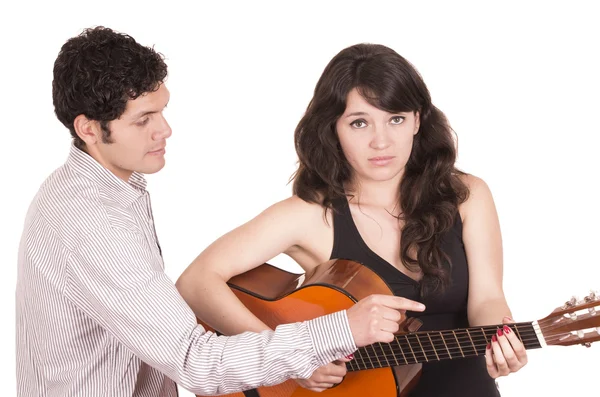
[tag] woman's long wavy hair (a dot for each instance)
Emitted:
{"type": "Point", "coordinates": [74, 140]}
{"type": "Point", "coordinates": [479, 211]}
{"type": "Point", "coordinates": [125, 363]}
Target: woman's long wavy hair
{"type": "Point", "coordinates": [430, 190]}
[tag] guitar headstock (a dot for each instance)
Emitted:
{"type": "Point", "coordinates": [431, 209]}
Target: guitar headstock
{"type": "Point", "coordinates": [575, 322]}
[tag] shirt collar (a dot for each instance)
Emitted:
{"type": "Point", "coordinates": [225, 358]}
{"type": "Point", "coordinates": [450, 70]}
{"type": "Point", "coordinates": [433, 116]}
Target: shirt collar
{"type": "Point", "coordinates": [87, 166]}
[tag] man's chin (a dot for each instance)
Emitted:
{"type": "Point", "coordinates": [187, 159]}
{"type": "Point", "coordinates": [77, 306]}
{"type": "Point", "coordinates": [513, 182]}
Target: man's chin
{"type": "Point", "coordinates": [152, 169]}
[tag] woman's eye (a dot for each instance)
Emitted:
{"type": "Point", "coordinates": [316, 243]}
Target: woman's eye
{"type": "Point", "coordinates": [358, 124]}
{"type": "Point", "coordinates": [397, 120]}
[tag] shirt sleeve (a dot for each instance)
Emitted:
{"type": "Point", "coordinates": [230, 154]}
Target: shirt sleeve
{"type": "Point", "coordinates": [115, 279]}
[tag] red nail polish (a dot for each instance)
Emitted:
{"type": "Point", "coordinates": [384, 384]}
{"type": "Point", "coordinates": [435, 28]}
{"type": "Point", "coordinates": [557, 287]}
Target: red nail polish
{"type": "Point", "coordinates": [488, 346]}
{"type": "Point", "coordinates": [350, 357]}
{"type": "Point", "coordinates": [494, 339]}
{"type": "Point", "coordinates": [499, 332]}
{"type": "Point", "coordinates": [507, 329]}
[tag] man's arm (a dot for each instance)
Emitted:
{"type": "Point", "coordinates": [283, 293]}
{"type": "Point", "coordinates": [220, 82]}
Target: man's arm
{"type": "Point", "coordinates": [111, 278]}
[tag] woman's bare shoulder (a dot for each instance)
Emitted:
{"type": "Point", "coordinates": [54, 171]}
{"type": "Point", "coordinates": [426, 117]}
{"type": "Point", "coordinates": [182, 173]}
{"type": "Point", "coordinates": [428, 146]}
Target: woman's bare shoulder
{"type": "Point", "coordinates": [296, 209]}
{"type": "Point", "coordinates": [479, 193]}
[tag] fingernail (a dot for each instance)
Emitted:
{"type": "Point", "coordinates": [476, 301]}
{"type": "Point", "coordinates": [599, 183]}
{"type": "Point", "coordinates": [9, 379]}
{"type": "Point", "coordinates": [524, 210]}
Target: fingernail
{"type": "Point", "coordinates": [508, 318]}
{"type": "Point", "coordinates": [499, 332]}
{"type": "Point", "coordinates": [506, 329]}
{"type": "Point", "coordinates": [350, 357]}
{"type": "Point", "coordinates": [494, 339]}
{"type": "Point", "coordinates": [488, 346]}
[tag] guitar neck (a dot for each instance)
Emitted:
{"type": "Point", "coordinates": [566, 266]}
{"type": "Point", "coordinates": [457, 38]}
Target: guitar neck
{"type": "Point", "coordinates": [427, 346]}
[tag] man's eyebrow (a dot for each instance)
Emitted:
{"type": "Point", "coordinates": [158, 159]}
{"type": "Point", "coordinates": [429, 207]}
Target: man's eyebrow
{"type": "Point", "coordinates": [144, 113]}
{"type": "Point", "coordinates": [141, 114]}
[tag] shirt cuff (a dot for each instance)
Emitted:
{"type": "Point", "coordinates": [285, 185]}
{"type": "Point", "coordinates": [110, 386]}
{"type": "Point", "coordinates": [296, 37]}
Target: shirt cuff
{"type": "Point", "coordinates": [331, 337]}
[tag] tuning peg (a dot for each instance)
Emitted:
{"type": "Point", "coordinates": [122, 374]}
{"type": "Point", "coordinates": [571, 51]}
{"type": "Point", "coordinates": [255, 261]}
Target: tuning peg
{"type": "Point", "coordinates": [592, 310]}
{"type": "Point", "coordinates": [573, 316]}
{"type": "Point", "coordinates": [570, 303]}
{"type": "Point", "coordinates": [592, 296]}
{"type": "Point", "coordinates": [586, 344]}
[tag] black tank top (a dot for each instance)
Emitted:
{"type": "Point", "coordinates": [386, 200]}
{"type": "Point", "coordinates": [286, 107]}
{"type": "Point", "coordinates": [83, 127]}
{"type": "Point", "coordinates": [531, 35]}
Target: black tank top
{"type": "Point", "coordinates": [453, 378]}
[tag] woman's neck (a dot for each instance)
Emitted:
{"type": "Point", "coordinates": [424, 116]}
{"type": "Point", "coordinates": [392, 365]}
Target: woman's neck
{"type": "Point", "coordinates": [382, 194]}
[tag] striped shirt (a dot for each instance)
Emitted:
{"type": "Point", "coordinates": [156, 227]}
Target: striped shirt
{"type": "Point", "coordinates": [97, 315]}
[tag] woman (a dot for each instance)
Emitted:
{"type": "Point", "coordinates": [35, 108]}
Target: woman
{"type": "Point", "coordinates": [377, 184]}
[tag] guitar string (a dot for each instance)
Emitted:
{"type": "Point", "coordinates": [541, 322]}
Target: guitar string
{"type": "Point", "coordinates": [392, 358]}
{"type": "Point", "coordinates": [473, 347]}
{"type": "Point", "coordinates": [449, 351]}
{"type": "Point", "coordinates": [529, 335]}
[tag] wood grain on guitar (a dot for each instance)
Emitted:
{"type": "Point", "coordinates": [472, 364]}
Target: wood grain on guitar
{"type": "Point", "coordinates": [389, 369]}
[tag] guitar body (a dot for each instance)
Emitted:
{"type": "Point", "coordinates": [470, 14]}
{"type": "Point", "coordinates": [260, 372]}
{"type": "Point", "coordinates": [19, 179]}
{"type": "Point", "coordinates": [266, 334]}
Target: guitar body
{"type": "Point", "coordinates": [390, 369]}
{"type": "Point", "coordinates": [279, 297]}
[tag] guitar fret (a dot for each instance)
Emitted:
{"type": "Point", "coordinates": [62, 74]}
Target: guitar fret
{"type": "Point", "coordinates": [384, 353]}
{"type": "Point", "coordinates": [453, 344]}
{"type": "Point", "coordinates": [376, 356]}
{"type": "Point", "coordinates": [418, 348]}
{"type": "Point", "coordinates": [473, 344]}
{"type": "Point", "coordinates": [411, 349]}
{"type": "Point", "coordinates": [359, 355]}
{"type": "Point", "coordinates": [459, 346]}
{"type": "Point", "coordinates": [438, 345]}
{"type": "Point", "coordinates": [444, 340]}
{"type": "Point", "coordinates": [392, 353]}
{"type": "Point", "coordinates": [369, 357]}
{"type": "Point", "coordinates": [465, 343]}
{"type": "Point", "coordinates": [433, 346]}
{"type": "Point", "coordinates": [485, 336]}
{"type": "Point", "coordinates": [527, 335]}
{"type": "Point", "coordinates": [401, 350]}
{"type": "Point", "coordinates": [422, 350]}
{"type": "Point", "coordinates": [518, 334]}
{"type": "Point", "coordinates": [428, 347]}
{"type": "Point", "coordinates": [487, 339]}
{"type": "Point", "coordinates": [350, 365]}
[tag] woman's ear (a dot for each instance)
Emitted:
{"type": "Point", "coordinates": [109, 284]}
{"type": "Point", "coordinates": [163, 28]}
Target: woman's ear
{"type": "Point", "coordinates": [417, 122]}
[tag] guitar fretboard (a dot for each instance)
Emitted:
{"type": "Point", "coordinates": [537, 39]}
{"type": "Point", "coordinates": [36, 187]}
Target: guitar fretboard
{"type": "Point", "coordinates": [422, 347]}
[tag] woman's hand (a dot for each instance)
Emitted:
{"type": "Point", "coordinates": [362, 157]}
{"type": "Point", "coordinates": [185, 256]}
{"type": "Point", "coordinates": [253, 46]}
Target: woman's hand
{"type": "Point", "coordinates": [506, 353]}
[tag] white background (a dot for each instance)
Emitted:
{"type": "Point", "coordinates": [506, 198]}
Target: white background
{"type": "Point", "coordinates": [518, 81]}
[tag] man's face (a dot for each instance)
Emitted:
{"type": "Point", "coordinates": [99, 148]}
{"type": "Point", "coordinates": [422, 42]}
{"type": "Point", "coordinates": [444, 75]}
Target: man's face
{"type": "Point", "coordinates": [138, 138]}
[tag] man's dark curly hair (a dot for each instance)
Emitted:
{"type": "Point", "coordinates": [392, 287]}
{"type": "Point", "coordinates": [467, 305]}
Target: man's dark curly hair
{"type": "Point", "coordinates": [97, 72]}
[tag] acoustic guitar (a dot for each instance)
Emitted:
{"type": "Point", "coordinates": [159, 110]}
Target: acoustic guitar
{"type": "Point", "coordinates": [388, 369]}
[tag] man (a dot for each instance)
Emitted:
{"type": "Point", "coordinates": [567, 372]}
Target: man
{"type": "Point", "coordinates": [96, 314]}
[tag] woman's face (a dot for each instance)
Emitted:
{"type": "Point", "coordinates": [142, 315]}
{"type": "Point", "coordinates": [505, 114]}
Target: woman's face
{"type": "Point", "coordinates": [377, 144]}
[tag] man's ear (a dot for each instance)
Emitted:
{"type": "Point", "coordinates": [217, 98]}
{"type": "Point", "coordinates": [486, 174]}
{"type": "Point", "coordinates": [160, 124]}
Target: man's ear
{"type": "Point", "coordinates": [87, 130]}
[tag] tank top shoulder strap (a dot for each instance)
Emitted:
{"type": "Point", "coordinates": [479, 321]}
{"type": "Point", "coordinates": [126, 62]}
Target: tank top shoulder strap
{"type": "Point", "coordinates": [341, 225]}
